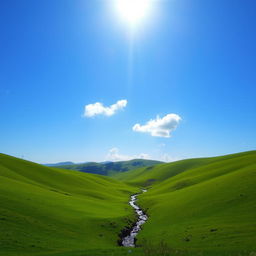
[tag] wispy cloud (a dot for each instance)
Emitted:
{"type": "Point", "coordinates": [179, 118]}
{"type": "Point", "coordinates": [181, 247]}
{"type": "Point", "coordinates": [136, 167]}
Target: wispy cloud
{"type": "Point", "coordinates": [114, 155]}
{"type": "Point", "coordinates": [159, 127]}
{"type": "Point", "coordinates": [168, 158]}
{"type": "Point", "coordinates": [98, 108]}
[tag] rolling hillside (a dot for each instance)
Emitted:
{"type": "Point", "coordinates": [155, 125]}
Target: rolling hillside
{"type": "Point", "coordinates": [156, 174]}
{"type": "Point", "coordinates": [45, 210]}
{"type": "Point", "coordinates": [201, 206]}
{"type": "Point", "coordinates": [110, 168]}
{"type": "Point", "coordinates": [207, 205]}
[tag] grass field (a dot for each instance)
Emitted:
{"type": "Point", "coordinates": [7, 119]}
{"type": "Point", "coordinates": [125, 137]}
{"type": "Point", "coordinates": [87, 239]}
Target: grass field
{"type": "Point", "coordinates": [46, 210]}
{"type": "Point", "coordinates": [209, 207]}
{"type": "Point", "coordinates": [201, 207]}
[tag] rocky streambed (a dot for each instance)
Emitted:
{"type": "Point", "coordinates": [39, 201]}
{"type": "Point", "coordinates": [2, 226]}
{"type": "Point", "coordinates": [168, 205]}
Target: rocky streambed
{"type": "Point", "coordinates": [129, 240]}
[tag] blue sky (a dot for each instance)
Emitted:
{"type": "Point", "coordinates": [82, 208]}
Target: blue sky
{"type": "Point", "coordinates": [192, 58]}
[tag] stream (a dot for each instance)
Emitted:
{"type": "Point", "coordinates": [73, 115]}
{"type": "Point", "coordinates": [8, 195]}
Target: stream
{"type": "Point", "coordinates": [129, 241]}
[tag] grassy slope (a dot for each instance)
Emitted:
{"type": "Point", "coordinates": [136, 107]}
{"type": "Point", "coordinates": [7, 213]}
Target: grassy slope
{"type": "Point", "coordinates": [212, 205]}
{"type": "Point", "coordinates": [199, 204]}
{"type": "Point", "coordinates": [110, 168]}
{"type": "Point", "coordinates": [159, 173]}
{"type": "Point", "coordinates": [45, 209]}
{"type": "Point", "coordinates": [155, 174]}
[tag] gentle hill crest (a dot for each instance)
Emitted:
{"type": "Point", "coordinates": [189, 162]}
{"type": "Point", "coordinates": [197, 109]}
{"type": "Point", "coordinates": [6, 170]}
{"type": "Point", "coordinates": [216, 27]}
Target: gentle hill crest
{"type": "Point", "coordinates": [161, 172]}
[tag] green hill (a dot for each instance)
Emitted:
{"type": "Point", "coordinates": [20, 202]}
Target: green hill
{"type": "Point", "coordinates": [45, 210]}
{"type": "Point", "coordinates": [201, 207]}
{"type": "Point", "coordinates": [110, 168]}
{"type": "Point", "coordinates": [156, 174]}
{"type": "Point", "coordinates": [202, 204]}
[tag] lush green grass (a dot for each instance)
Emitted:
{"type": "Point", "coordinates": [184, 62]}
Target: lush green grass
{"type": "Point", "coordinates": [201, 207]}
{"type": "Point", "coordinates": [45, 210]}
{"type": "Point", "coordinates": [208, 207]}
{"type": "Point", "coordinates": [155, 174]}
{"type": "Point", "coordinates": [110, 168]}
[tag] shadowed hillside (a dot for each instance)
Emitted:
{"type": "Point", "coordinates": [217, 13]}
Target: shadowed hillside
{"type": "Point", "coordinates": [110, 168]}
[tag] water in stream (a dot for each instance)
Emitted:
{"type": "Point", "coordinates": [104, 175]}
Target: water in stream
{"type": "Point", "coordinates": [129, 241]}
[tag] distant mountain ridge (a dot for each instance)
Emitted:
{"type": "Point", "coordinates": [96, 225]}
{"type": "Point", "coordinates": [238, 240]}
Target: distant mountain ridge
{"type": "Point", "coordinates": [57, 164]}
{"type": "Point", "coordinates": [109, 168]}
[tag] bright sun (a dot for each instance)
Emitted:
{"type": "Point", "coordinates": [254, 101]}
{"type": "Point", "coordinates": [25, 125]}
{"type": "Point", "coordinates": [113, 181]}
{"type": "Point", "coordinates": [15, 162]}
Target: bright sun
{"type": "Point", "coordinates": [133, 11]}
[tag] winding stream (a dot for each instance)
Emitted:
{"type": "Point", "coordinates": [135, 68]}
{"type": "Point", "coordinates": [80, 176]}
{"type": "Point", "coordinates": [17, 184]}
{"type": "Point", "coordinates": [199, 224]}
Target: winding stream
{"type": "Point", "coordinates": [129, 241]}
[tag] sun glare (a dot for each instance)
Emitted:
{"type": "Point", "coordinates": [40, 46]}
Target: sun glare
{"type": "Point", "coordinates": [133, 11]}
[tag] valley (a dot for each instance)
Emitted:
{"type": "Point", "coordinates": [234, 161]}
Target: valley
{"type": "Point", "coordinates": [203, 206]}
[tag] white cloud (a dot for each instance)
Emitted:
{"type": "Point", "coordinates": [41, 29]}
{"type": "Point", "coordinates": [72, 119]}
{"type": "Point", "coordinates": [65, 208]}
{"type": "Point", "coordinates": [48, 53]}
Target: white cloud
{"type": "Point", "coordinates": [114, 155]}
{"type": "Point", "coordinates": [99, 109]}
{"type": "Point", "coordinates": [159, 127]}
{"type": "Point", "coordinates": [168, 158]}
